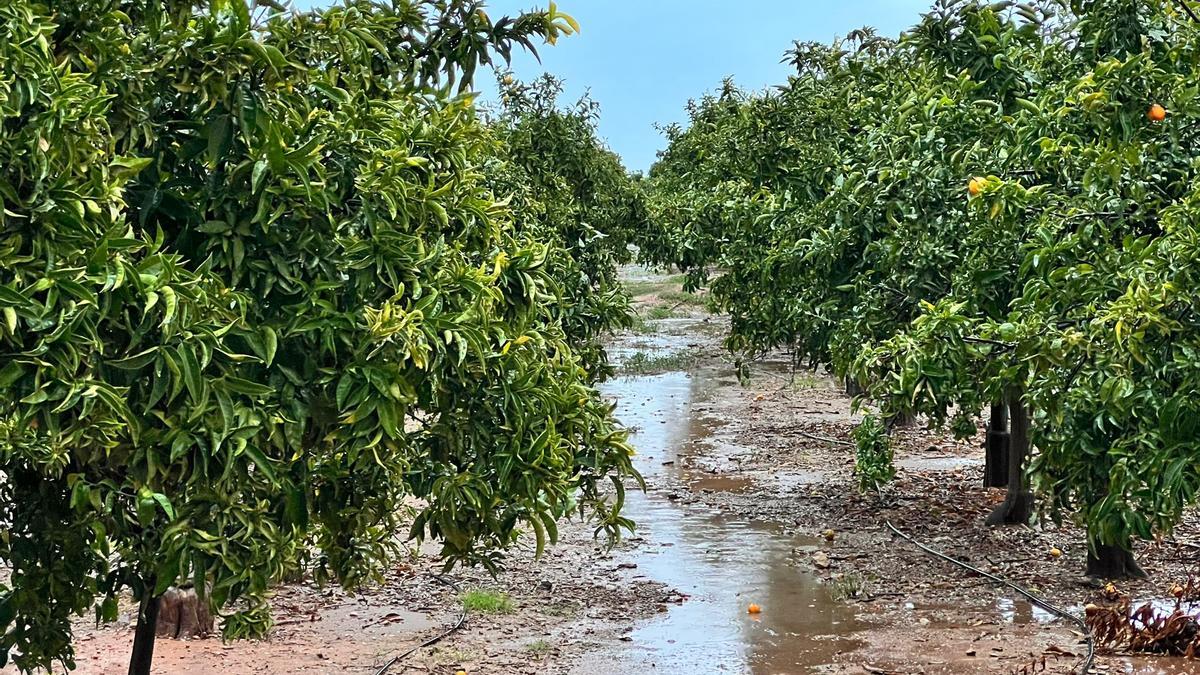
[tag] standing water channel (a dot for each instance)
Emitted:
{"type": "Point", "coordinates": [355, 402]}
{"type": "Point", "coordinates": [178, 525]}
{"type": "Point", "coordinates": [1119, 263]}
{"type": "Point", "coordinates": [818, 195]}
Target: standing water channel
{"type": "Point", "coordinates": [720, 563]}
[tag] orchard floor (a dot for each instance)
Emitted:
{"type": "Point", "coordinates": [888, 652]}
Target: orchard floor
{"type": "Point", "coordinates": [744, 504]}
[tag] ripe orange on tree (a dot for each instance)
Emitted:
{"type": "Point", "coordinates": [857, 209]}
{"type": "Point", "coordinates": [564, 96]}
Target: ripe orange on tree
{"type": "Point", "coordinates": [975, 186]}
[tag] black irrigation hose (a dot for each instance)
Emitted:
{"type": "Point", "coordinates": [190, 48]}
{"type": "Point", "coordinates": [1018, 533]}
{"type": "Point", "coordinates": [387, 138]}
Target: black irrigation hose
{"type": "Point", "coordinates": [437, 638]}
{"type": "Point", "coordinates": [1087, 632]}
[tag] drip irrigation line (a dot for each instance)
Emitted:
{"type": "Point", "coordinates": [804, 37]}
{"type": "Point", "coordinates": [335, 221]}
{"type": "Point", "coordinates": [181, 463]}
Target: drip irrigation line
{"type": "Point", "coordinates": [823, 439]}
{"type": "Point", "coordinates": [1087, 632]}
{"type": "Point", "coordinates": [462, 618]}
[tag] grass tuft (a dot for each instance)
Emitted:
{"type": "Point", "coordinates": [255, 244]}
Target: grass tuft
{"type": "Point", "coordinates": [483, 601]}
{"type": "Point", "coordinates": [660, 312]}
{"type": "Point", "coordinates": [642, 363]}
{"type": "Point", "coordinates": [849, 586]}
{"type": "Point", "coordinates": [683, 298]}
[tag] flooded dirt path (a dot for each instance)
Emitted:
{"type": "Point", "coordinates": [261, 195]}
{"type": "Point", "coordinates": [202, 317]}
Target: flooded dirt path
{"type": "Point", "coordinates": [745, 505]}
{"type": "Point", "coordinates": [721, 563]}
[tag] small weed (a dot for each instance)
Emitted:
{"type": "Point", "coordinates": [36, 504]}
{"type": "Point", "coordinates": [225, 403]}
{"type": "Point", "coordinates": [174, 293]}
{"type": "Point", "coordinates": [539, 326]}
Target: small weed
{"type": "Point", "coordinates": [659, 312]}
{"type": "Point", "coordinates": [641, 322]}
{"type": "Point", "coordinates": [873, 455]}
{"type": "Point", "coordinates": [849, 586]}
{"type": "Point", "coordinates": [636, 288]}
{"type": "Point", "coordinates": [484, 601]}
{"type": "Point", "coordinates": [453, 656]}
{"type": "Point", "coordinates": [682, 298]}
{"type": "Point", "coordinates": [669, 284]}
{"type": "Point", "coordinates": [793, 382]}
{"type": "Point", "coordinates": [642, 363]}
{"type": "Point", "coordinates": [539, 647]}
{"type": "Point", "coordinates": [804, 382]}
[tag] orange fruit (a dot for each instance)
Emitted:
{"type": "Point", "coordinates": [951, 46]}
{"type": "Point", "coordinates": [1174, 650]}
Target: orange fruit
{"type": "Point", "coordinates": [1157, 113]}
{"type": "Point", "coordinates": [753, 609]}
{"type": "Point", "coordinates": [975, 186]}
{"type": "Point", "coordinates": [1055, 552]}
{"type": "Point", "coordinates": [508, 79]}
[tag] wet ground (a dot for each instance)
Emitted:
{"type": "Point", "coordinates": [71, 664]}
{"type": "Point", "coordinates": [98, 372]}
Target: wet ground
{"type": "Point", "coordinates": [750, 500]}
{"type": "Point", "coordinates": [723, 563]}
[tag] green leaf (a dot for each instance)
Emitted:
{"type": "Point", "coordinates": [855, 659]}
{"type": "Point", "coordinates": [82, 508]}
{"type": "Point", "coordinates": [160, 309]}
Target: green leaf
{"type": "Point", "coordinates": [219, 132]}
{"type": "Point", "coordinates": [171, 303]}
{"type": "Point", "coordinates": [262, 463]}
{"type": "Point", "coordinates": [137, 361]}
{"type": "Point", "coordinates": [238, 385]}
{"type": "Point", "coordinates": [165, 504]}
{"type": "Point", "coordinates": [10, 373]}
{"type": "Point", "coordinates": [270, 344]}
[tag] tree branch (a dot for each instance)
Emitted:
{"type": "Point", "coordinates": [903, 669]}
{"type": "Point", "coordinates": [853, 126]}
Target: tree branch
{"type": "Point", "coordinates": [1005, 345]}
{"type": "Point", "coordinates": [1190, 12]}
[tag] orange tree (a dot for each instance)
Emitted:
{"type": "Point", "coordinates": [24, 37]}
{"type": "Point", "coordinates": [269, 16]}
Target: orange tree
{"type": "Point", "coordinates": [564, 186]}
{"type": "Point", "coordinates": [990, 210]}
{"type": "Point", "coordinates": [1100, 178]}
{"type": "Point", "coordinates": [254, 295]}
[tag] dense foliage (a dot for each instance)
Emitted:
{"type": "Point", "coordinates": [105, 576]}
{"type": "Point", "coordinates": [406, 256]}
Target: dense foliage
{"type": "Point", "coordinates": [257, 296]}
{"type": "Point", "coordinates": [564, 186]}
{"type": "Point", "coordinates": [990, 210]}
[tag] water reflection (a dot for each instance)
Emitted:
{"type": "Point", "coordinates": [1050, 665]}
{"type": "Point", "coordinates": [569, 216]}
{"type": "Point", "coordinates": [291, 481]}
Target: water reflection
{"type": "Point", "coordinates": [723, 563]}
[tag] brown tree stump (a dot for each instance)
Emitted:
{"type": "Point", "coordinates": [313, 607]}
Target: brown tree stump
{"type": "Point", "coordinates": [182, 615]}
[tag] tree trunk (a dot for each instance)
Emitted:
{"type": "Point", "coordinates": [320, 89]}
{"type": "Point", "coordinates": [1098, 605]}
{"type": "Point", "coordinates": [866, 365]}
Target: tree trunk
{"type": "Point", "coordinates": [1018, 503]}
{"type": "Point", "coordinates": [852, 388]}
{"type": "Point", "coordinates": [183, 614]}
{"type": "Point", "coordinates": [143, 636]}
{"type": "Point", "coordinates": [995, 470]}
{"type": "Point", "coordinates": [1113, 562]}
{"type": "Point", "coordinates": [905, 420]}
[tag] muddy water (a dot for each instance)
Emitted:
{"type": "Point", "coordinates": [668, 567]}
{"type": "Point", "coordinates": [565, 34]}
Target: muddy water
{"type": "Point", "coordinates": [721, 563]}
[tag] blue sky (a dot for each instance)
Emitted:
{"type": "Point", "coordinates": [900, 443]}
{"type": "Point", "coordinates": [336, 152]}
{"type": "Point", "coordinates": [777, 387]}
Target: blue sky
{"type": "Point", "coordinates": [643, 59]}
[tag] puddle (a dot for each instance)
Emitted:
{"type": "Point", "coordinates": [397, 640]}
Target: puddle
{"type": "Point", "coordinates": [1155, 665]}
{"type": "Point", "coordinates": [1022, 611]}
{"type": "Point", "coordinates": [939, 463]}
{"type": "Point", "coordinates": [654, 343]}
{"type": "Point", "coordinates": [723, 563]}
{"type": "Point", "coordinates": [720, 483]}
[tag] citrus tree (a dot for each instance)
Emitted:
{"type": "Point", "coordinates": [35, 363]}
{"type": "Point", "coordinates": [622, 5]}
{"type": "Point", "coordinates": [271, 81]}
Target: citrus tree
{"type": "Point", "coordinates": [982, 214]}
{"type": "Point", "coordinates": [256, 295]}
{"type": "Point", "coordinates": [565, 187]}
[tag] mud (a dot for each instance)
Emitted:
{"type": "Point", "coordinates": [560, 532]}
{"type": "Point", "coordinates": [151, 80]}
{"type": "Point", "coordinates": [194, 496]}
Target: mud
{"type": "Point", "coordinates": [720, 563]}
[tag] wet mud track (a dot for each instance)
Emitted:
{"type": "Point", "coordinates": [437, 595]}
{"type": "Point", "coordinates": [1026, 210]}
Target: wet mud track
{"type": "Point", "coordinates": [718, 563]}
